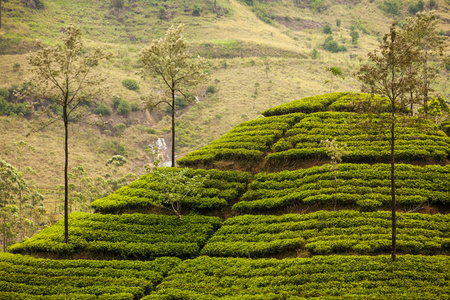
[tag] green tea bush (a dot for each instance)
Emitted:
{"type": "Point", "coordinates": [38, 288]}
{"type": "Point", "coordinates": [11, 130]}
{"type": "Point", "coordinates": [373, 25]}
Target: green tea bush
{"type": "Point", "coordinates": [126, 236]}
{"type": "Point", "coordinates": [320, 277]}
{"type": "Point", "coordinates": [89, 279]}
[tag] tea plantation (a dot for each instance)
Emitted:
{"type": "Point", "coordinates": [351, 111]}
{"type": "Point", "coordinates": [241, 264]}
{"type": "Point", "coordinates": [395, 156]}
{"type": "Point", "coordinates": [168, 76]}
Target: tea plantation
{"type": "Point", "coordinates": [264, 224]}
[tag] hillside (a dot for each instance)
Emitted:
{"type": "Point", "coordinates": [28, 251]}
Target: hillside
{"type": "Point", "coordinates": [273, 220]}
{"type": "Point", "coordinates": [274, 234]}
{"type": "Point", "coordinates": [260, 56]}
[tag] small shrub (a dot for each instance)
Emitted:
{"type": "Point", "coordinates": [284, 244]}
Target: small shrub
{"type": "Point", "coordinates": [211, 89]}
{"type": "Point", "coordinates": [332, 46]}
{"type": "Point", "coordinates": [180, 102]}
{"type": "Point", "coordinates": [103, 109]}
{"type": "Point", "coordinates": [116, 101]}
{"type": "Point", "coordinates": [414, 8]}
{"type": "Point", "coordinates": [124, 108]}
{"type": "Point", "coordinates": [249, 2]}
{"type": "Point", "coordinates": [135, 107]}
{"type": "Point", "coordinates": [338, 22]}
{"type": "Point", "coordinates": [355, 36]}
{"type": "Point", "coordinates": [4, 93]}
{"type": "Point", "coordinates": [39, 4]}
{"type": "Point", "coordinates": [315, 54]}
{"type": "Point", "coordinates": [130, 84]}
{"type": "Point", "coordinates": [196, 11]}
{"type": "Point", "coordinates": [326, 29]}
{"type": "Point", "coordinates": [391, 6]}
{"type": "Point", "coordinates": [16, 66]}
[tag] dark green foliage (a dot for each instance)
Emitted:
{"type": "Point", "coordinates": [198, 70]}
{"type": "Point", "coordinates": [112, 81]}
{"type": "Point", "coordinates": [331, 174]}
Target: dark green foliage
{"type": "Point", "coordinates": [327, 29]}
{"type": "Point", "coordinates": [322, 277]}
{"type": "Point", "coordinates": [9, 109]}
{"type": "Point", "coordinates": [414, 8]}
{"type": "Point", "coordinates": [391, 6]}
{"type": "Point", "coordinates": [332, 46]}
{"type": "Point", "coordinates": [355, 36]}
{"type": "Point", "coordinates": [127, 236]}
{"type": "Point", "coordinates": [39, 4]}
{"type": "Point", "coordinates": [432, 4]}
{"type": "Point", "coordinates": [34, 278]}
{"type": "Point", "coordinates": [130, 84]}
{"type": "Point", "coordinates": [4, 93]}
{"type": "Point", "coordinates": [116, 101]}
{"type": "Point", "coordinates": [338, 22]}
{"type": "Point", "coordinates": [103, 109]}
{"type": "Point", "coordinates": [211, 89]}
{"type": "Point", "coordinates": [249, 2]}
{"type": "Point", "coordinates": [196, 10]}
{"type": "Point", "coordinates": [124, 108]}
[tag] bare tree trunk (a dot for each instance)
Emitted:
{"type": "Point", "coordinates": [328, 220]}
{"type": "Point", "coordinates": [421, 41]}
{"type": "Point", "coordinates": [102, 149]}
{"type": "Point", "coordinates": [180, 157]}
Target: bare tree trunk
{"type": "Point", "coordinates": [425, 83]}
{"type": "Point", "coordinates": [173, 128]}
{"type": "Point", "coordinates": [335, 189]}
{"type": "Point", "coordinates": [66, 179]}
{"type": "Point", "coordinates": [394, 218]}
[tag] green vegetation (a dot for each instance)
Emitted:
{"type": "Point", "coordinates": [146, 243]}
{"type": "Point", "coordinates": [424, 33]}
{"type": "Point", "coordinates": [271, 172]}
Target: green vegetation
{"type": "Point", "coordinates": [323, 233]}
{"type": "Point", "coordinates": [81, 279]}
{"type": "Point", "coordinates": [352, 277]}
{"type": "Point", "coordinates": [220, 188]}
{"type": "Point", "coordinates": [127, 236]}
{"type": "Point", "coordinates": [130, 84]}
{"type": "Point", "coordinates": [332, 46]}
{"type": "Point", "coordinates": [103, 109]}
{"type": "Point", "coordinates": [169, 60]}
{"type": "Point", "coordinates": [359, 185]}
{"type": "Point", "coordinates": [247, 142]}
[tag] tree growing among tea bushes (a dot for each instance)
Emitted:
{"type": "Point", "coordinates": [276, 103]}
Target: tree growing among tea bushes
{"type": "Point", "coordinates": [64, 73]}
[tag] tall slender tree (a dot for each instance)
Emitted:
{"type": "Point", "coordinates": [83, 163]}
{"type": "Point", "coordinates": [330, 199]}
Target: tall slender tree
{"type": "Point", "coordinates": [64, 73]}
{"type": "Point", "coordinates": [389, 73]}
{"type": "Point", "coordinates": [169, 60]}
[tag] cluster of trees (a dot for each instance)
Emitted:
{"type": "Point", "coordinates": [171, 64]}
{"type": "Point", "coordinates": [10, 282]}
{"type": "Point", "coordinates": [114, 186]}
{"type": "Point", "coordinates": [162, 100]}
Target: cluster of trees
{"type": "Point", "coordinates": [65, 74]}
{"type": "Point", "coordinates": [21, 207]}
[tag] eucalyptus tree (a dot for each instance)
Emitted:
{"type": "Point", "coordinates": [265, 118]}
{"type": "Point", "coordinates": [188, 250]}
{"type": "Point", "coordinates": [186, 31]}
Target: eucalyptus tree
{"type": "Point", "coordinates": [391, 73]}
{"type": "Point", "coordinates": [64, 73]}
{"type": "Point", "coordinates": [169, 60]}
